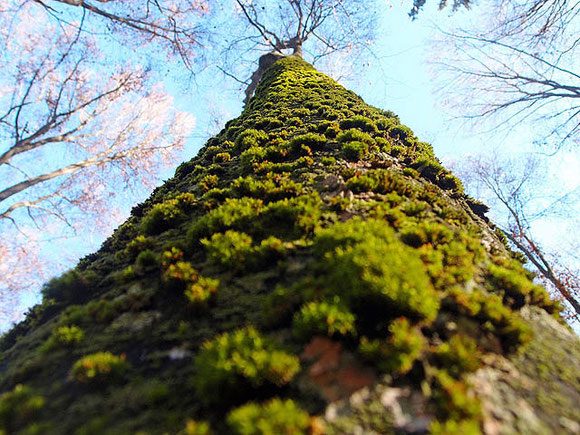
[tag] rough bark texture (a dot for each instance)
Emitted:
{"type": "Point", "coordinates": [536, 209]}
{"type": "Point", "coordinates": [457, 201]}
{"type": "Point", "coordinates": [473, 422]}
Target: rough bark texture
{"type": "Point", "coordinates": [313, 270]}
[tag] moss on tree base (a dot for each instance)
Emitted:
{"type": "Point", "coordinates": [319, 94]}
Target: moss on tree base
{"type": "Point", "coordinates": [314, 269]}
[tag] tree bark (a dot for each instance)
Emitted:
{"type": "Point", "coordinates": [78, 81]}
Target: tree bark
{"type": "Point", "coordinates": [313, 270]}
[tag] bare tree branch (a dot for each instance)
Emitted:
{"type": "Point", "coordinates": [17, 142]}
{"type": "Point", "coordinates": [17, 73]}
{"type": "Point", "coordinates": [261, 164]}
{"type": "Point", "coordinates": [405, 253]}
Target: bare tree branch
{"type": "Point", "coordinates": [515, 185]}
{"type": "Point", "coordinates": [518, 67]}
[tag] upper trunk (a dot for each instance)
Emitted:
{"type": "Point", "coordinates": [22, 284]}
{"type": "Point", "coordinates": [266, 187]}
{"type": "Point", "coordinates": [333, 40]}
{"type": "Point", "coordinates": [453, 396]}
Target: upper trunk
{"type": "Point", "coordinates": [349, 264]}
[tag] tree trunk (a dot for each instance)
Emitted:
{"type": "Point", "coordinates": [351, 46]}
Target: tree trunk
{"type": "Point", "coordinates": [313, 270]}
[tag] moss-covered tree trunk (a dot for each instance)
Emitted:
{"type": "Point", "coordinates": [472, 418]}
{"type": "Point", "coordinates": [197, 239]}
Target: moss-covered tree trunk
{"type": "Point", "coordinates": [313, 269]}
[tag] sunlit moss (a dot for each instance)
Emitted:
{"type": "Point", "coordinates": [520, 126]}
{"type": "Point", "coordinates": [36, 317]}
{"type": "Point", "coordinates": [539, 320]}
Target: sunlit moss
{"type": "Point", "coordinates": [100, 368]}
{"type": "Point", "coordinates": [232, 363]}
{"type": "Point", "coordinates": [167, 214]}
{"type": "Point", "coordinates": [396, 354]}
{"type": "Point", "coordinates": [377, 271]}
{"type": "Point", "coordinates": [325, 317]}
{"type": "Point", "coordinates": [270, 188]}
{"type": "Point", "coordinates": [277, 416]}
{"type": "Point", "coordinates": [250, 138]}
{"type": "Point", "coordinates": [202, 290]}
{"type": "Point", "coordinates": [360, 122]}
{"type": "Point", "coordinates": [63, 337]}
{"type": "Point", "coordinates": [459, 355]}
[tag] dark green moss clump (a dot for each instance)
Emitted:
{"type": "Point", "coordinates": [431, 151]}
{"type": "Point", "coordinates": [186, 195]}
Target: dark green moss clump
{"type": "Point", "coordinates": [72, 286]}
{"type": "Point", "coordinates": [19, 408]}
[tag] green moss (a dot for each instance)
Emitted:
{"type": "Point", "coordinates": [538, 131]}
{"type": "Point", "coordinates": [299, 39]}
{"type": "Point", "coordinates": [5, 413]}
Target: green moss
{"type": "Point", "coordinates": [200, 292]}
{"type": "Point", "coordinates": [427, 233]}
{"type": "Point", "coordinates": [326, 317]}
{"type": "Point", "coordinates": [415, 208]}
{"type": "Point", "coordinates": [232, 364]}
{"type": "Point", "coordinates": [280, 305]}
{"type": "Point", "coordinates": [309, 140]}
{"type": "Point", "coordinates": [64, 336]}
{"type": "Point", "coordinates": [287, 218]}
{"type": "Point", "coordinates": [209, 182]}
{"type": "Point", "coordinates": [234, 213]}
{"type": "Point", "coordinates": [332, 130]}
{"type": "Point", "coordinates": [354, 135]}
{"type": "Point", "coordinates": [72, 286]}
{"type": "Point", "coordinates": [250, 138]}
{"type": "Point", "coordinates": [380, 181]}
{"type": "Point", "coordinates": [450, 263]}
{"type": "Point", "coordinates": [428, 167]}
{"type": "Point", "coordinates": [493, 315]}
{"type": "Point", "coordinates": [99, 310]}
{"type": "Point", "coordinates": [354, 151]}
{"type": "Point", "coordinates": [211, 151]}
{"type": "Point", "coordinates": [458, 356]}
{"type": "Point", "coordinates": [292, 217]}
{"type": "Point", "coordinates": [269, 123]}
{"type": "Point", "coordinates": [455, 427]}
{"type": "Point", "coordinates": [379, 272]}
{"type": "Point", "coordinates": [252, 155]}
{"type": "Point", "coordinates": [402, 133]}
{"type": "Point", "coordinates": [230, 249]}
{"type": "Point", "coordinates": [360, 122]}
{"type": "Point", "coordinates": [222, 158]}
{"type": "Point", "coordinates": [397, 354]}
{"type": "Point", "coordinates": [181, 276]}
{"type": "Point", "coordinates": [236, 251]}
{"type": "Point", "coordinates": [361, 183]}
{"type": "Point", "coordinates": [328, 161]}
{"type": "Point", "coordinates": [294, 121]}
{"type": "Point", "coordinates": [138, 244]}
{"type": "Point", "coordinates": [101, 368]}
{"type": "Point", "coordinates": [194, 427]}
{"type": "Point", "coordinates": [171, 256]}
{"type": "Point", "coordinates": [126, 275]}
{"type": "Point", "coordinates": [451, 182]}
{"type": "Point", "coordinates": [274, 417]}
{"type": "Point", "coordinates": [146, 261]}
{"type": "Point", "coordinates": [517, 288]}
{"type": "Point", "coordinates": [281, 251]}
{"type": "Point", "coordinates": [272, 187]}
{"type": "Point", "coordinates": [384, 124]}
{"type": "Point", "coordinates": [277, 152]}
{"type": "Point", "coordinates": [167, 214]}
{"type": "Point", "coordinates": [410, 172]}
{"type": "Point", "coordinates": [19, 408]}
{"type": "Point", "coordinates": [398, 151]}
{"type": "Point", "coordinates": [453, 398]}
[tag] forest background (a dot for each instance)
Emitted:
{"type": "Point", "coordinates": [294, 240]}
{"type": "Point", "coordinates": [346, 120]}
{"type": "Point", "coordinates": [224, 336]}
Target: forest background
{"type": "Point", "coordinates": [159, 102]}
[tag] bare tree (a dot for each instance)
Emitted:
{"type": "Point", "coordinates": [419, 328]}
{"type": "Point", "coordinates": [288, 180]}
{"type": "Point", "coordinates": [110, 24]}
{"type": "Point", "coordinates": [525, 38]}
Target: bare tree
{"type": "Point", "coordinates": [518, 65]}
{"type": "Point", "coordinates": [293, 22]}
{"type": "Point", "coordinates": [519, 188]}
{"type": "Point", "coordinates": [72, 130]}
{"type": "Point", "coordinates": [314, 29]}
{"type": "Point", "coordinates": [175, 25]}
